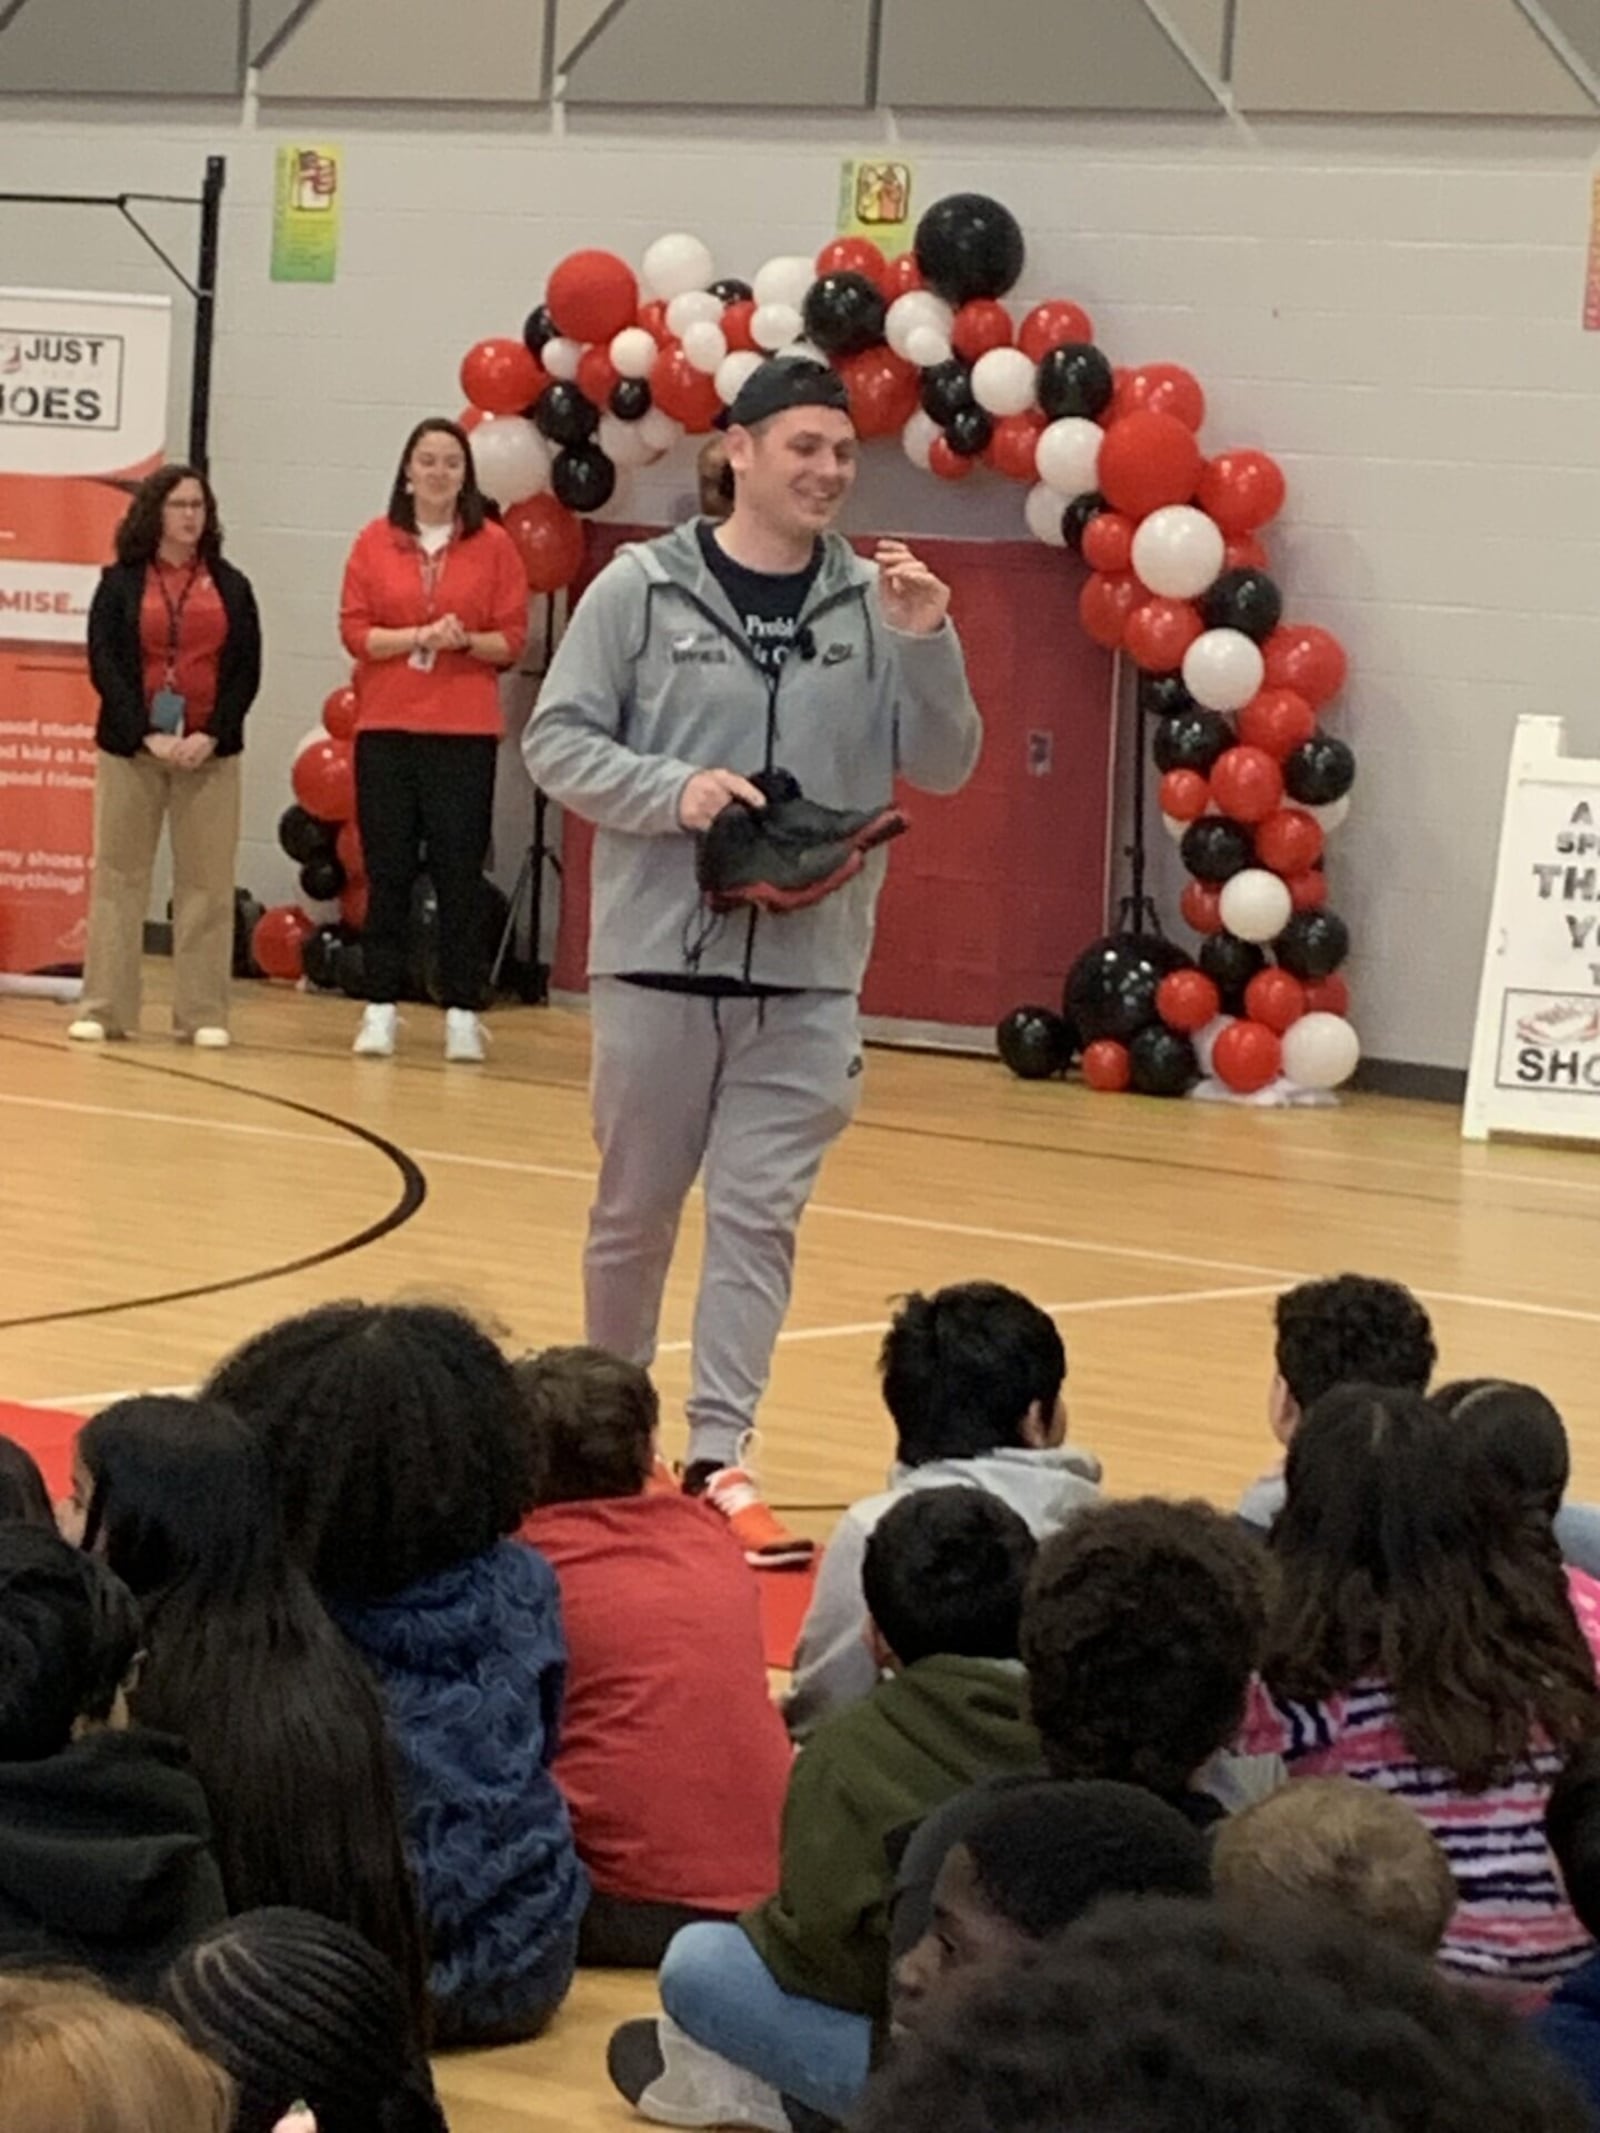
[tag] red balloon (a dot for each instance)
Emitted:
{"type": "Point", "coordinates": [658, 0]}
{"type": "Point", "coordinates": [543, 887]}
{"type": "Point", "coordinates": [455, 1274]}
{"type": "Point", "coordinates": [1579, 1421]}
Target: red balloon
{"type": "Point", "coordinates": [549, 539]}
{"type": "Point", "coordinates": [653, 318]}
{"type": "Point", "coordinates": [735, 324]}
{"type": "Point", "coordinates": [324, 780]}
{"type": "Point", "coordinates": [1247, 784]}
{"type": "Point", "coordinates": [981, 325]}
{"type": "Point", "coordinates": [1014, 444]}
{"type": "Point", "coordinates": [1148, 460]}
{"type": "Point", "coordinates": [339, 708]}
{"type": "Point", "coordinates": [1051, 323]}
{"type": "Point", "coordinates": [1106, 1065]}
{"type": "Point", "coordinates": [1105, 604]}
{"type": "Point", "coordinates": [351, 857]}
{"type": "Point", "coordinates": [901, 276]}
{"type": "Point", "coordinates": [883, 391]}
{"type": "Point", "coordinates": [1187, 1000]}
{"type": "Point", "coordinates": [469, 418]}
{"type": "Point", "coordinates": [1242, 490]}
{"type": "Point", "coordinates": [1289, 841]}
{"type": "Point", "coordinates": [500, 377]}
{"type": "Point", "coordinates": [592, 295]}
{"type": "Point", "coordinates": [1164, 389]}
{"type": "Point", "coordinates": [1275, 997]}
{"type": "Point", "coordinates": [278, 942]}
{"type": "Point", "coordinates": [680, 390]}
{"type": "Point", "coordinates": [1309, 660]}
{"type": "Point", "coordinates": [597, 374]}
{"type": "Point", "coordinates": [1277, 720]}
{"type": "Point", "coordinates": [353, 902]}
{"type": "Point", "coordinates": [1246, 1056]}
{"type": "Point", "coordinates": [855, 255]}
{"type": "Point", "coordinates": [1185, 795]}
{"type": "Point", "coordinates": [1201, 905]}
{"type": "Point", "coordinates": [1108, 541]}
{"type": "Point", "coordinates": [1308, 891]}
{"type": "Point", "coordinates": [1328, 996]}
{"type": "Point", "coordinates": [1159, 632]}
{"type": "Point", "coordinates": [1244, 552]}
{"type": "Point", "coordinates": [945, 461]}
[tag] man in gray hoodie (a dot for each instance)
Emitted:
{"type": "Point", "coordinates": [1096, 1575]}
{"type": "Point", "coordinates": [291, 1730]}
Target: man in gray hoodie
{"type": "Point", "coordinates": [728, 1047]}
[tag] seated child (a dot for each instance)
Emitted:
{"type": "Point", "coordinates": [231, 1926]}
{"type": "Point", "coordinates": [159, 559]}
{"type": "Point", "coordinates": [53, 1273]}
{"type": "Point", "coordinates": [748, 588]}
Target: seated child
{"type": "Point", "coordinates": [972, 1380]}
{"type": "Point", "coordinates": [75, 2060]}
{"type": "Point", "coordinates": [783, 2004]}
{"type": "Point", "coordinates": [105, 1835]}
{"type": "Point", "coordinates": [23, 1494]}
{"type": "Point", "coordinates": [673, 1757]}
{"type": "Point", "coordinates": [1569, 2023]}
{"type": "Point", "coordinates": [1349, 1847]}
{"type": "Point", "coordinates": [1523, 1437]}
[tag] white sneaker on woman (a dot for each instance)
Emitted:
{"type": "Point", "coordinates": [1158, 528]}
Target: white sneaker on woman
{"type": "Point", "coordinates": [211, 1038]}
{"type": "Point", "coordinates": [375, 1037]}
{"type": "Point", "coordinates": [87, 1031]}
{"type": "Point", "coordinates": [465, 1038]}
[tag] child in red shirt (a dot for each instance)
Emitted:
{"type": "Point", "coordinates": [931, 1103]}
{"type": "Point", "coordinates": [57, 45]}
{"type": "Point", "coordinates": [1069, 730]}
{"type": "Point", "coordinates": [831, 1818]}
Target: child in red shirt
{"type": "Point", "coordinates": [673, 1757]}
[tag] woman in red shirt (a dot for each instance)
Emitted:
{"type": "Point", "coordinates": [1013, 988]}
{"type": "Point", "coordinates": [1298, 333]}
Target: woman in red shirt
{"type": "Point", "coordinates": [435, 603]}
{"type": "Point", "coordinates": [175, 653]}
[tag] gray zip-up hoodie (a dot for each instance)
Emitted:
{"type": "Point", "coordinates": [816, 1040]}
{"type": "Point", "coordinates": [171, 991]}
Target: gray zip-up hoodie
{"type": "Point", "coordinates": [832, 1666]}
{"type": "Point", "coordinates": [654, 680]}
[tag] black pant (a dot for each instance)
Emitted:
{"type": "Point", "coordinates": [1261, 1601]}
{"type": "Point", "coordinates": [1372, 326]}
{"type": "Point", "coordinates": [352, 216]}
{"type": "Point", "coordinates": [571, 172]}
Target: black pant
{"type": "Point", "coordinates": [427, 793]}
{"type": "Point", "coordinates": [623, 1934]}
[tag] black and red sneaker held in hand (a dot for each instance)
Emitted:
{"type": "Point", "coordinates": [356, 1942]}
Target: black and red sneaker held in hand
{"type": "Point", "coordinates": [790, 853]}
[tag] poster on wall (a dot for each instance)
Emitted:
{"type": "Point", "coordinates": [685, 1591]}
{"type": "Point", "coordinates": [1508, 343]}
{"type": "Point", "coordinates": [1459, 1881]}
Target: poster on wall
{"type": "Point", "coordinates": [83, 416]}
{"type": "Point", "coordinates": [875, 202]}
{"type": "Point", "coordinates": [1536, 1045]}
{"type": "Point", "coordinates": [306, 211]}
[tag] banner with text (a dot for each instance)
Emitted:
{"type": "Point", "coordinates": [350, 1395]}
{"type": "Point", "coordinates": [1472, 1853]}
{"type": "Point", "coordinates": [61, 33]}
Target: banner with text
{"type": "Point", "coordinates": [83, 416]}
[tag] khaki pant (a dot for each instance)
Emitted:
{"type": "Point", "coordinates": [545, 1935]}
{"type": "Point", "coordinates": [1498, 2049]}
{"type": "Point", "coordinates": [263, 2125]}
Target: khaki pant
{"type": "Point", "coordinates": [133, 795]}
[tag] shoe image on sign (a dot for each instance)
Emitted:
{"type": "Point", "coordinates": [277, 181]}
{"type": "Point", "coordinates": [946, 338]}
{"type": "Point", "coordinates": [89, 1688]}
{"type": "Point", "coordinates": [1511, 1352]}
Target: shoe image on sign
{"type": "Point", "coordinates": [790, 853]}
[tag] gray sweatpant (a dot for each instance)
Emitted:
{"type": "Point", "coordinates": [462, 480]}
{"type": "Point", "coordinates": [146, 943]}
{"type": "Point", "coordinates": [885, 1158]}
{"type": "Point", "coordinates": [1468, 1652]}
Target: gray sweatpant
{"type": "Point", "coordinates": [750, 1095]}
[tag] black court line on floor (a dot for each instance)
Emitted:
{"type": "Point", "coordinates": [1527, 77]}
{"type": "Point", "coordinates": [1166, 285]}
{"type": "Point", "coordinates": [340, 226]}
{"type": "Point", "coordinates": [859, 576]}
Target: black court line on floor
{"type": "Point", "coordinates": [413, 1191]}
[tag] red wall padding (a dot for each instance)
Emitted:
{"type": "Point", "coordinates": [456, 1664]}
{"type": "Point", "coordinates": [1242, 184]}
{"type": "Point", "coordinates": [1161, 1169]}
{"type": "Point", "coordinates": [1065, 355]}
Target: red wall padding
{"type": "Point", "coordinates": [996, 888]}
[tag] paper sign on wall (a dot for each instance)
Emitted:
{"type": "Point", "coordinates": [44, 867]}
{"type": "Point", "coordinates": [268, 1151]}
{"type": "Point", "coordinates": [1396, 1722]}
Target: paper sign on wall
{"type": "Point", "coordinates": [1591, 286]}
{"type": "Point", "coordinates": [305, 214]}
{"type": "Point", "coordinates": [875, 201]}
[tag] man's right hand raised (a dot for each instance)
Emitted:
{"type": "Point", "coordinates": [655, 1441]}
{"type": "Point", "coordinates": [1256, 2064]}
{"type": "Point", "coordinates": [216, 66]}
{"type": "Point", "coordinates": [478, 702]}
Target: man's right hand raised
{"type": "Point", "coordinates": [708, 793]}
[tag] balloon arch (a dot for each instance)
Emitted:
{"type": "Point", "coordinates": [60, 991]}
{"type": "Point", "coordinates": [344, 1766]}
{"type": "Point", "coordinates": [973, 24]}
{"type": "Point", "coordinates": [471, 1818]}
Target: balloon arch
{"type": "Point", "coordinates": [613, 368]}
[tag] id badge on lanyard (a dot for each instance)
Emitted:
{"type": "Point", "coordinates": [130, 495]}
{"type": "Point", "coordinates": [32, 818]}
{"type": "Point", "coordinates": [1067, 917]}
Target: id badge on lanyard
{"type": "Point", "coordinates": [168, 705]}
{"type": "Point", "coordinates": [422, 656]}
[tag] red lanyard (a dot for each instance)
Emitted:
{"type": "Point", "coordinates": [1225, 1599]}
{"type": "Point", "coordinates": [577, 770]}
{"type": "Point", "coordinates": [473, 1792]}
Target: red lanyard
{"type": "Point", "coordinates": [175, 613]}
{"type": "Point", "coordinates": [432, 567]}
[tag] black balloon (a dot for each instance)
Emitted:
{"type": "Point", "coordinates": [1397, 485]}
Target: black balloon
{"type": "Point", "coordinates": [1191, 740]}
{"type": "Point", "coordinates": [969, 430]}
{"type": "Point", "coordinates": [1313, 944]}
{"type": "Point", "coordinates": [732, 290]}
{"type": "Point", "coordinates": [1246, 600]}
{"type": "Point", "coordinates": [1075, 379]}
{"type": "Point", "coordinates": [1075, 518]}
{"type": "Point", "coordinates": [537, 328]}
{"type": "Point", "coordinates": [1164, 695]}
{"type": "Point", "coordinates": [1162, 1061]}
{"type": "Point", "coordinates": [630, 399]}
{"type": "Point", "coordinates": [844, 314]}
{"type": "Point", "coordinates": [320, 957]}
{"type": "Point", "coordinates": [583, 478]}
{"type": "Point", "coordinates": [321, 880]}
{"type": "Point", "coordinates": [1215, 848]}
{"type": "Point", "coordinates": [1111, 988]}
{"type": "Point", "coordinates": [1230, 964]}
{"type": "Point", "coordinates": [1319, 771]}
{"type": "Point", "coordinates": [247, 911]}
{"type": "Point", "coordinates": [969, 245]}
{"type": "Point", "coordinates": [303, 837]}
{"type": "Point", "coordinates": [566, 415]}
{"type": "Point", "coordinates": [1035, 1043]}
{"type": "Point", "coordinates": [946, 389]}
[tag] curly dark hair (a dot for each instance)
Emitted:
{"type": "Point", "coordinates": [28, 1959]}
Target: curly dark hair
{"type": "Point", "coordinates": [1519, 1432]}
{"type": "Point", "coordinates": [1140, 1631]}
{"type": "Point", "coordinates": [961, 1368]}
{"type": "Point", "coordinates": [473, 508]}
{"type": "Point", "coordinates": [69, 1632]}
{"type": "Point", "coordinates": [592, 1418]}
{"type": "Point", "coordinates": [1163, 2015]}
{"type": "Point", "coordinates": [1403, 1557]}
{"type": "Point", "coordinates": [139, 535]}
{"type": "Point", "coordinates": [944, 1573]}
{"type": "Point", "coordinates": [396, 1435]}
{"type": "Point", "coordinates": [1352, 1330]}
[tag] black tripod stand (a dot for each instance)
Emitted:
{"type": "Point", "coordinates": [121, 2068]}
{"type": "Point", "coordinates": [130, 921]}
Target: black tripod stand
{"type": "Point", "coordinates": [1136, 912]}
{"type": "Point", "coordinates": [532, 981]}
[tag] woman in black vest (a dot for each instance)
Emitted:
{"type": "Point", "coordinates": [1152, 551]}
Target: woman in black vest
{"type": "Point", "coordinates": [175, 652]}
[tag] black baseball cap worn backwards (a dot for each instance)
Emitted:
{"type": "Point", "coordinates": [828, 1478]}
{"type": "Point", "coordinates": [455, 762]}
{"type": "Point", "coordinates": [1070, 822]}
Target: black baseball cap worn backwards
{"type": "Point", "coordinates": [783, 382]}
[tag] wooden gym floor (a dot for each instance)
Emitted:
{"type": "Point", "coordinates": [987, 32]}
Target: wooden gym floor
{"type": "Point", "coordinates": [158, 1204]}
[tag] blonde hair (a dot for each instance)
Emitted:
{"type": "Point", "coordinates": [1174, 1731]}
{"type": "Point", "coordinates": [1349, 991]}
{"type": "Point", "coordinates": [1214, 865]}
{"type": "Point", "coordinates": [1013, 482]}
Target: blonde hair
{"type": "Point", "coordinates": [74, 2060]}
{"type": "Point", "coordinates": [1338, 1843]}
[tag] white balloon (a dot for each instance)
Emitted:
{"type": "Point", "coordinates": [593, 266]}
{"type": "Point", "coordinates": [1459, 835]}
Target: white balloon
{"type": "Point", "coordinates": [1205, 1040]}
{"type": "Point", "coordinates": [804, 349]}
{"type": "Point", "coordinates": [695, 307]}
{"type": "Point", "coordinates": [1068, 456]}
{"type": "Point", "coordinates": [561, 358]}
{"type": "Point", "coordinates": [774, 325]}
{"type": "Point", "coordinates": [918, 307]}
{"type": "Point", "coordinates": [1043, 511]}
{"type": "Point", "coordinates": [1002, 382]}
{"type": "Point", "coordinates": [622, 443]}
{"type": "Point", "coordinates": [512, 459]}
{"type": "Point", "coordinates": [784, 280]}
{"type": "Point", "coordinates": [1178, 551]}
{"type": "Point", "coordinates": [926, 345]}
{"type": "Point", "coordinates": [1320, 1051]}
{"type": "Point", "coordinates": [917, 437]}
{"type": "Point", "coordinates": [633, 352]}
{"type": "Point", "coordinates": [1255, 905]}
{"type": "Point", "coordinates": [733, 370]}
{"type": "Point", "coordinates": [675, 264]}
{"type": "Point", "coordinates": [1173, 827]}
{"type": "Point", "coordinates": [660, 429]}
{"type": "Point", "coordinates": [705, 345]}
{"type": "Point", "coordinates": [1332, 813]}
{"type": "Point", "coordinates": [1223, 669]}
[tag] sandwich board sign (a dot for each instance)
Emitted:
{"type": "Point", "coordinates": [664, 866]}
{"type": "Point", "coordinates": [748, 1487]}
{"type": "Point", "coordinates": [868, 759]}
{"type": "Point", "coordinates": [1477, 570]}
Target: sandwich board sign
{"type": "Point", "coordinates": [1536, 1044]}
